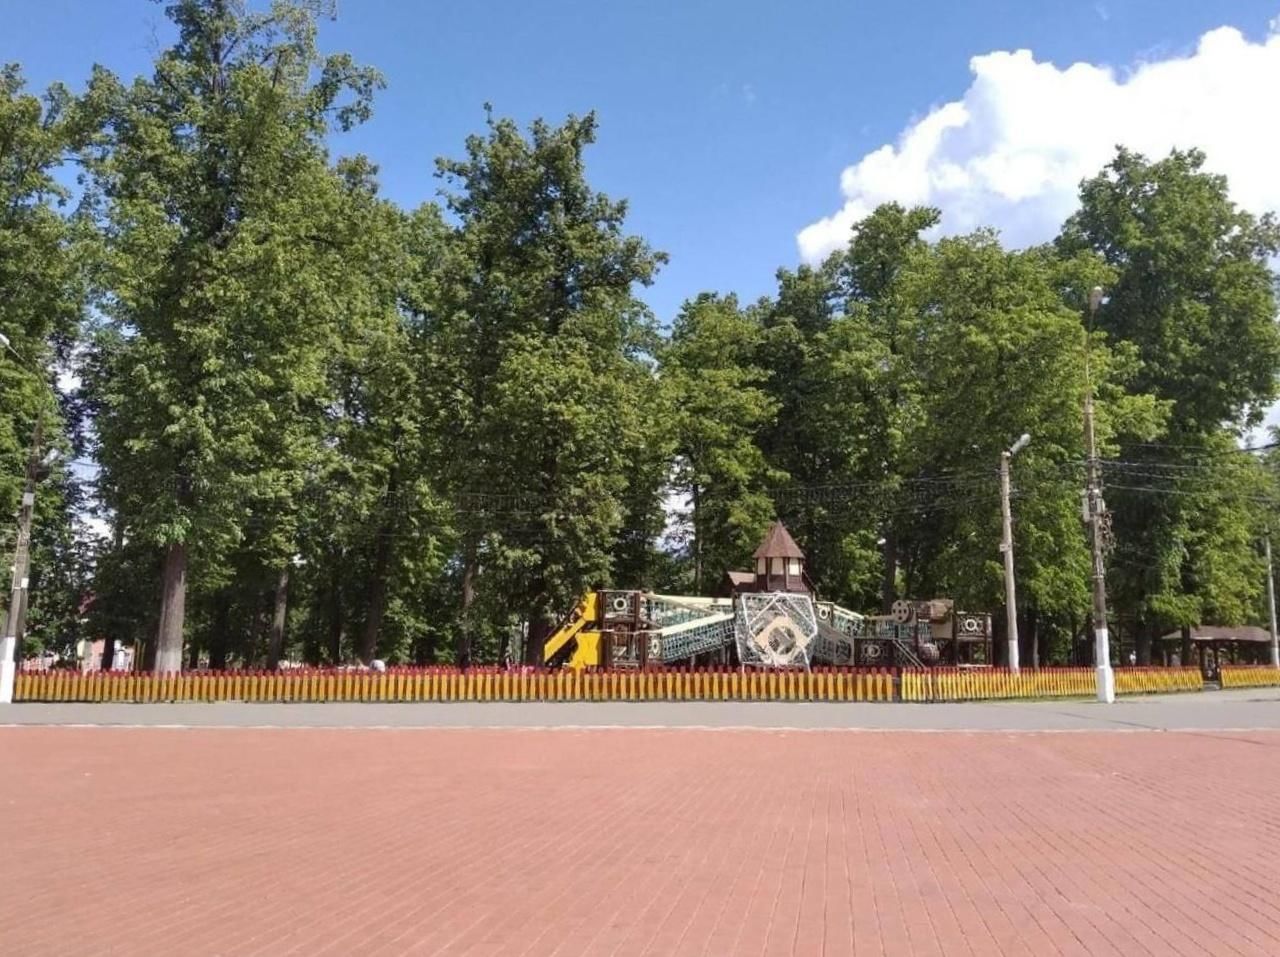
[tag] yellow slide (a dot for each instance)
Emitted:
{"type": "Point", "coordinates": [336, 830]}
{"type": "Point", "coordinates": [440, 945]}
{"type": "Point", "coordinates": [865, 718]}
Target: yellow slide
{"type": "Point", "coordinates": [587, 652]}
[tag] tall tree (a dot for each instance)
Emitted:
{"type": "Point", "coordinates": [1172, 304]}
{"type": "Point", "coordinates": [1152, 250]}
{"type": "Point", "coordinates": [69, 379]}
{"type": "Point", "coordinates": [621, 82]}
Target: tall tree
{"type": "Point", "coordinates": [538, 370]}
{"type": "Point", "coordinates": [1195, 297]}
{"type": "Point", "coordinates": [721, 406]}
{"type": "Point", "coordinates": [218, 201]}
{"type": "Point", "coordinates": [792, 350]}
{"type": "Point", "coordinates": [43, 258]}
{"type": "Point", "coordinates": [1002, 354]}
{"type": "Point", "coordinates": [871, 273]}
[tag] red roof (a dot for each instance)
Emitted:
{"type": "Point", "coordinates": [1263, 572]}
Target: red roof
{"type": "Point", "coordinates": [778, 543]}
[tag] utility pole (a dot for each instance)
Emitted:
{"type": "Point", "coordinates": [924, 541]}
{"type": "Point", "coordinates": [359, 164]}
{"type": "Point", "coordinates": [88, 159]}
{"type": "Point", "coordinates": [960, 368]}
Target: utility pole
{"type": "Point", "coordinates": [1006, 546]}
{"type": "Point", "coordinates": [1094, 510]}
{"type": "Point", "coordinates": [1271, 607]}
{"type": "Point", "coordinates": [21, 569]}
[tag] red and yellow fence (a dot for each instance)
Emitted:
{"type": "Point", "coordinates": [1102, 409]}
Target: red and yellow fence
{"type": "Point", "coordinates": [1158, 680]}
{"type": "Point", "coordinates": [449, 684]}
{"type": "Point", "coordinates": [1248, 676]}
{"type": "Point", "coordinates": [974, 684]}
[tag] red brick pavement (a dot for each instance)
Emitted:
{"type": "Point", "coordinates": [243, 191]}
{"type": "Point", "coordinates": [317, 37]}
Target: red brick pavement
{"type": "Point", "coordinates": [637, 842]}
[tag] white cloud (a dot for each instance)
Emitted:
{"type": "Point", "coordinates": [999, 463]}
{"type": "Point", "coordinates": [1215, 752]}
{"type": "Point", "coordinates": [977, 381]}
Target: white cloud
{"type": "Point", "coordinates": [1011, 153]}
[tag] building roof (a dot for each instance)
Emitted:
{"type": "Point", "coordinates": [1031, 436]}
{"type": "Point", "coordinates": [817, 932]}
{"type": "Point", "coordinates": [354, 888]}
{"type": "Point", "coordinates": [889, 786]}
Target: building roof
{"type": "Point", "coordinates": [1209, 633]}
{"type": "Point", "coordinates": [778, 543]}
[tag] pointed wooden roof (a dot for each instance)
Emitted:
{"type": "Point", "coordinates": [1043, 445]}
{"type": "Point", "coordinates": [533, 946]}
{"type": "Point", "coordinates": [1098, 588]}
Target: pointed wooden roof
{"type": "Point", "coordinates": [778, 543]}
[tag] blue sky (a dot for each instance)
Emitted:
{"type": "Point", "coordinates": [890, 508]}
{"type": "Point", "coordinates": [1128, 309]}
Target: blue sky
{"type": "Point", "coordinates": [726, 124]}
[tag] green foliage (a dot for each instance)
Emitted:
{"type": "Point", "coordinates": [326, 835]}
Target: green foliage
{"type": "Point", "coordinates": [1001, 355]}
{"type": "Point", "coordinates": [1193, 288]}
{"type": "Point", "coordinates": [720, 406]}
{"type": "Point", "coordinates": [421, 435]}
{"type": "Point", "coordinates": [42, 271]}
{"type": "Point", "coordinates": [537, 375]}
{"type": "Point", "coordinates": [228, 236]}
{"type": "Point", "coordinates": [1194, 301]}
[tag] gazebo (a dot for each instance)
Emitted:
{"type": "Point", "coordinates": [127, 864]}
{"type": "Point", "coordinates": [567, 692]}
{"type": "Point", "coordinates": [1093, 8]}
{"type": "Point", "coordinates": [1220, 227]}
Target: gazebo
{"type": "Point", "coordinates": [1226, 644]}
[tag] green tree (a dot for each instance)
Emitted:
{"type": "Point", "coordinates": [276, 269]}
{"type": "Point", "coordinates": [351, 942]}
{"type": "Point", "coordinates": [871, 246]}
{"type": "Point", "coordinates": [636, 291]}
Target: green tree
{"type": "Point", "coordinates": [871, 274]}
{"type": "Point", "coordinates": [537, 374]}
{"type": "Point", "coordinates": [721, 407]}
{"type": "Point", "coordinates": [219, 205]}
{"type": "Point", "coordinates": [1002, 354]}
{"type": "Point", "coordinates": [44, 255]}
{"type": "Point", "coordinates": [41, 275]}
{"type": "Point", "coordinates": [1195, 297]}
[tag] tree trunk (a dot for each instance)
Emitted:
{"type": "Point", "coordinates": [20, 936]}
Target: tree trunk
{"type": "Point", "coordinates": [377, 598]}
{"type": "Point", "coordinates": [1186, 655]}
{"type": "Point", "coordinates": [109, 643]}
{"type": "Point", "coordinates": [469, 569]}
{"type": "Point", "coordinates": [221, 626]}
{"type": "Point", "coordinates": [424, 649]}
{"type": "Point", "coordinates": [1143, 640]}
{"type": "Point", "coordinates": [275, 648]}
{"type": "Point", "coordinates": [539, 632]}
{"type": "Point", "coordinates": [311, 648]}
{"type": "Point", "coordinates": [335, 614]}
{"type": "Point", "coordinates": [259, 632]}
{"type": "Point", "coordinates": [173, 601]}
{"type": "Point", "coordinates": [697, 543]}
{"type": "Point", "coordinates": [193, 655]}
{"type": "Point", "coordinates": [889, 577]}
{"type": "Point", "coordinates": [1030, 636]}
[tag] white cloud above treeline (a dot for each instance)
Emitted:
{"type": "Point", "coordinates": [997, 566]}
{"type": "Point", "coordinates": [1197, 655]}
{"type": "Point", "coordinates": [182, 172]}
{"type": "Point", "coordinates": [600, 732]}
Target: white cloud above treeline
{"type": "Point", "coordinates": [1012, 152]}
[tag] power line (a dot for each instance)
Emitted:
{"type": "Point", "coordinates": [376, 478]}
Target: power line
{"type": "Point", "coordinates": [1250, 450]}
{"type": "Point", "coordinates": [1256, 499]}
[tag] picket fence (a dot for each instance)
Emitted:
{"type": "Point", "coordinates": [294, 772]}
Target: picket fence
{"type": "Point", "coordinates": [1248, 676]}
{"type": "Point", "coordinates": [453, 685]}
{"type": "Point", "coordinates": [707, 684]}
{"type": "Point", "coordinates": [974, 684]}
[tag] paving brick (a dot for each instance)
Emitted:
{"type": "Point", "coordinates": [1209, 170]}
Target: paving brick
{"type": "Point", "coordinates": [618, 842]}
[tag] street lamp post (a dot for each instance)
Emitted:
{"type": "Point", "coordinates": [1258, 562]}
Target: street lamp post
{"type": "Point", "coordinates": [1271, 607]}
{"type": "Point", "coordinates": [1095, 509]}
{"type": "Point", "coordinates": [1006, 546]}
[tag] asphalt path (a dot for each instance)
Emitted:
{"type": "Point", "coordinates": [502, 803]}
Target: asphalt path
{"type": "Point", "coordinates": [1243, 710]}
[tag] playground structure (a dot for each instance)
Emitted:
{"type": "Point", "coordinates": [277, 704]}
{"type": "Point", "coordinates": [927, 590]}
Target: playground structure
{"type": "Point", "coordinates": [768, 618]}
